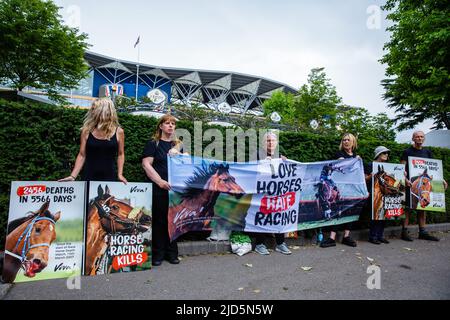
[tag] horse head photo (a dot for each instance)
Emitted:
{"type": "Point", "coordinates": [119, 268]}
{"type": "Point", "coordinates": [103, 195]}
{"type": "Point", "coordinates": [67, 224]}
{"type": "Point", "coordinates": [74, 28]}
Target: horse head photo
{"type": "Point", "coordinates": [384, 184]}
{"type": "Point", "coordinates": [420, 190]}
{"type": "Point", "coordinates": [28, 243]}
{"type": "Point", "coordinates": [108, 216]}
{"type": "Point", "coordinates": [200, 196]}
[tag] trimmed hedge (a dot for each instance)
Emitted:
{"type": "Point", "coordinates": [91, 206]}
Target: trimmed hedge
{"type": "Point", "coordinates": [40, 142]}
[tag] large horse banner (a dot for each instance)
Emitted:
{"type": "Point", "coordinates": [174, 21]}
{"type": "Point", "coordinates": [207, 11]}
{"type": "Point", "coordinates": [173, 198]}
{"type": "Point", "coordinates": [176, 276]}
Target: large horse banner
{"type": "Point", "coordinates": [45, 231]}
{"type": "Point", "coordinates": [118, 227]}
{"type": "Point", "coordinates": [272, 196]}
{"type": "Point", "coordinates": [388, 190]}
{"type": "Point", "coordinates": [427, 187]}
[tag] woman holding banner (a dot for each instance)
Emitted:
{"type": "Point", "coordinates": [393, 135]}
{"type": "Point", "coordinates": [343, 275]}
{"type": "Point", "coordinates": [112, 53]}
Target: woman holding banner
{"type": "Point", "coordinates": [154, 162]}
{"type": "Point", "coordinates": [268, 152]}
{"type": "Point", "coordinates": [376, 227]}
{"type": "Point", "coordinates": [101, 142]}
{"type": "Point", "coordinates": [347, 149]}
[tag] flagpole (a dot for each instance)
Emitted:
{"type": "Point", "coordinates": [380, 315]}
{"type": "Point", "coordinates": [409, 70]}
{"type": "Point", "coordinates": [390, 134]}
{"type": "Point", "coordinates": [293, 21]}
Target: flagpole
{"type": "Point", "coordinates": [137, 72]}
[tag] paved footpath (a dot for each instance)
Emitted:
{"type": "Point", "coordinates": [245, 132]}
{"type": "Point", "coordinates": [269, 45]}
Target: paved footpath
{"type": "Point", "coordinates": [409, 270]}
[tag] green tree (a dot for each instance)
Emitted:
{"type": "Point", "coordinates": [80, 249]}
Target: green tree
{"type": "Point", "coordinates": [417, 58]}
{"type": "Point", "coordinates": [283, 103]}
{"type": "Point", "coordinates": [37, 49]}
{"type": "Point", "coordinates": [317, 100]}
{"type": "Point", "coordinates": [359, 122]}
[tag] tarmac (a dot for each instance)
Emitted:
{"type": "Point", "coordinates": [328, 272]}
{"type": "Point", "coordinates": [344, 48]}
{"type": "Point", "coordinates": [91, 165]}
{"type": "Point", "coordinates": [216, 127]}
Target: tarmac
{"type": "Point", "coordinates": [208, 271]}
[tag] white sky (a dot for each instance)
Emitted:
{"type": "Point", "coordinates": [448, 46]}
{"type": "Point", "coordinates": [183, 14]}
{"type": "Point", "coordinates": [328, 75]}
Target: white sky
{"type": "Point", "coordinates": [277, 39]}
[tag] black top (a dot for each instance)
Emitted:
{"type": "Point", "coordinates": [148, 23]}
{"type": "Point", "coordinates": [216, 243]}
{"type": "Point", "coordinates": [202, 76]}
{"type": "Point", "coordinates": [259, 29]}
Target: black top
{"type": "Point", "coordinates": [262, 154]}
{"type": "Point", "coordinates": [413, 152]}
{"type": "Point", "coordinates": [368, 169]}
{"type": "Point", "coordinates": [159, 154]}
{"type": "Point", "coordinates": [100, 162]}
{"type": "Point", "coordinates": [345, 155]}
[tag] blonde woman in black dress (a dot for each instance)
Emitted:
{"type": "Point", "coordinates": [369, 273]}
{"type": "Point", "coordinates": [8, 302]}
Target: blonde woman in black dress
{"type": "Point", "coordinates": [101, 154]}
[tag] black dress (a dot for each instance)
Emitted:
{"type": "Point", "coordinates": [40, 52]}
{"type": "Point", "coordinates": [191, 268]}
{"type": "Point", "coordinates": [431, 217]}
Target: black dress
{"type": "Point", "coordinates": [100, 162]}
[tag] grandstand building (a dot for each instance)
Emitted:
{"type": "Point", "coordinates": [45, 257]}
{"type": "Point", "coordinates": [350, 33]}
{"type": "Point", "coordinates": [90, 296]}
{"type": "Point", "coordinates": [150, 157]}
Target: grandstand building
{"type": "Point", "coordinates": [243, 93]}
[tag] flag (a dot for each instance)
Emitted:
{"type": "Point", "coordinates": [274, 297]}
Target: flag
{"type": "Point", "coordinates": [137, 41]}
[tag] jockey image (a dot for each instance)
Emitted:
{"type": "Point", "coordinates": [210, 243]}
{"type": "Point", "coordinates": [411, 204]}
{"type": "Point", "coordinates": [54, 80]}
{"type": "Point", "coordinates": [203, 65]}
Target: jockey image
{"type": "Point", "coordinates": [325, 175]}
{"type": "Point", "coordinates": [327, 195]}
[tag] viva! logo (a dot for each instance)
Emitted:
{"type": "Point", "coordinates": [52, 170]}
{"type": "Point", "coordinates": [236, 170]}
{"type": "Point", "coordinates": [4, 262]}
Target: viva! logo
{"type": "Point", "coordinates": [28, 190]}
{"type": "Point", "coordinates": [278, 203]}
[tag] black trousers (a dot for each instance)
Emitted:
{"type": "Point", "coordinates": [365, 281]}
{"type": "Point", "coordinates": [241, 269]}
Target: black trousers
{"type": "Point", "coordinates": [376, 230]}
{"type": "Point", "coordinates": [162, 248]}
{"type": "Point", "coordinates": [341, 227]}
{"type": "Point", "coordinates": [261, 237]}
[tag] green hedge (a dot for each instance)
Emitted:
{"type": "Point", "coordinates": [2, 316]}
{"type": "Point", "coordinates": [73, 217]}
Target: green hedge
{"type": "Point", "coordinates": [40, 142]}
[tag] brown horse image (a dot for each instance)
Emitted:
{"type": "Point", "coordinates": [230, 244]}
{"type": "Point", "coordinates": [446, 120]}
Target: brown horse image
{"type": "Point", "coordinates": [28, 243]}
{"type": "Point", "coordinates": [108, 215]}
{"type": "Point", "coordinates": [198, 199]}
{"type": "Point", "coordinates": [383, 185]}
{"type": "Point", "coordinates": [420, 190]}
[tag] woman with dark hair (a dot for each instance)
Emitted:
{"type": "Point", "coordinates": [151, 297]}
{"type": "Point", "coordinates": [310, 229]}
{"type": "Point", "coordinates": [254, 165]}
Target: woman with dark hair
{"type": "Point", "coordinates": [154, 162]}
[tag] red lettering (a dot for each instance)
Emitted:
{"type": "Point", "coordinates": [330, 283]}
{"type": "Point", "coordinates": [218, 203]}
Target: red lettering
{"type": "Point", "coordinates": [390, 213]}
{"type": "Point", "coordinates": [27, 190]}
{"type": "Point", "coordinates": [129, 260]}
{"type": "Point", "coordinates": [417, 162]}
{"type": "Point", "coordinates": [278, 203]}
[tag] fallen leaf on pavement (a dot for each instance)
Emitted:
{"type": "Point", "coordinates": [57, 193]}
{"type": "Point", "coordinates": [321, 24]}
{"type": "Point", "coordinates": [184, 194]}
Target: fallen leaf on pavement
{"type": "Point", "coordinates": [240, 289]}
{"type": "Point", "coordinates": [370, 259]}
{"type": "Point", "coordinates": [295, 247]}
{"type": "Point", "coordinates": [248, 265]}
{"type": "Point", "coordinates": [306, 268]}
{"type": "Point", "coordinates": [257, 291]}
{"type": "Point", "coordinates": [409, 249]}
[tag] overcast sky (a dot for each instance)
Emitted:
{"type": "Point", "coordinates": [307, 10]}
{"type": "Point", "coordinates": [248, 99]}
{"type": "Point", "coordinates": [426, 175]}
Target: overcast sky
{"type": "Point", "coordinates": [281, 40]}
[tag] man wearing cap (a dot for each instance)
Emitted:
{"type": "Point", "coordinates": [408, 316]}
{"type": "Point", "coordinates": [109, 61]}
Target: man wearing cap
{"type": "Point", "coordinates": [376, 227]}
{"type": "Point", "coordinates": [416, 150]}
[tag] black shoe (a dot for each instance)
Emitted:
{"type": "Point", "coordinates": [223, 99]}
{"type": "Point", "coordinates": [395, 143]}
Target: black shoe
{"type": "Point", "coordinates": [405, 236]}
{"type": "Point", "coordinates": [427, 236]}
{"type": "Point", "coordinates": [328, 243]}
{"type": "Point", "coordinates": [374, 241]}
{"type": "Point", "coordinates": [172, 259]}
{"type": "Point", "coordinates": [156, 262]}
{"type": "Point", "coordinates": [348, 241]}
{"type": "Point", "coordinates": [383, 240]}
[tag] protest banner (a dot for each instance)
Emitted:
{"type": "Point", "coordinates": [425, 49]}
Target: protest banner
{"type": "Point", "coordinates": [45, 231]}
{"type": "Point", "coordinates": [427, 188]}
{"type": "Point", "coordinates": [118, 228]}
{"type": "Point", "coordinates": [271, 196]}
